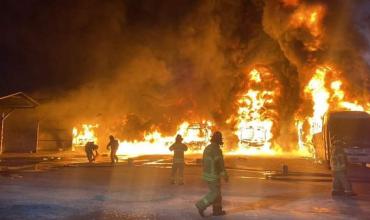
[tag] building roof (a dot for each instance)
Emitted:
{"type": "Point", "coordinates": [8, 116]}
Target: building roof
{"type": "Point", "coordinates": [17, 100]}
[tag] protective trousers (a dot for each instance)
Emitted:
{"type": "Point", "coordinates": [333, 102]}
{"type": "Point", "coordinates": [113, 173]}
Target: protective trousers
{"type": "Point", "coordinates": [89, 154]}
{"type": "Point", "coordinates": [113, 156]}
{"type": "Point", "coordinates": [341, 182]}
{"type": "Point", "coordinates": [213, 197]}
{"type": "Point", "coordinates": [177, 174]}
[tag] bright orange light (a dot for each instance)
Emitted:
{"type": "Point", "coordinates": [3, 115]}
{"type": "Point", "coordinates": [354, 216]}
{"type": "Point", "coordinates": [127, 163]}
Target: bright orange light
{"type": "Point", "coordinates": [290, 2]}
{"type": "Point", "coordinates": [325, 98]}
{"type": "Point", "coordinates": [320, 96]}
{"type": "Point", "coordinates": [310, 17]}
{"type": "Point", "coordinates": [83, 135]}
{"type": "Point", "coordinates": [196, 136]}
{"type": "Point", "coordinates": [254, 126]}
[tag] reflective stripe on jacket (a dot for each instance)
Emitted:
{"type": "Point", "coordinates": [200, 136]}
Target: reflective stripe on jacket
{"type": "Point", "coordinates": [213, 163]}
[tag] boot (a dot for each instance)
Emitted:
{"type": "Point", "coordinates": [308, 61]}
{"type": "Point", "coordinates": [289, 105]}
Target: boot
{"type": "Point", "coordinates": [217, 211]}
{"type": "Point", "coordinates": [200, 211]}
{"type": "Point", "coordinates": [220, 213]}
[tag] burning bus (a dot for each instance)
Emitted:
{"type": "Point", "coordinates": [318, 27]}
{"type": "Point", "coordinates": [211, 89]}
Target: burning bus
{"type": "Point", "coordinates": [257, 110]}
{"type": "Point", "coordinates": [352, 130]}
{"type": "Point", "coordinates": [197, 135]}
{"type": "Point", "coordinates": [253, 135]}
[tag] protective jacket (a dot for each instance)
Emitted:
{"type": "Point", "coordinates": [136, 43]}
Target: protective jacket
{"type": "Point", "coordinates": [338, 161]}
{"type": "Point", "coordinates": [338, 158]}
{"type": "Point", "coordinates": [113, 144]}
{"type": "Point", "coordinates": [213, 163]}
{"type": "Point", "coordinates": [178, 148]}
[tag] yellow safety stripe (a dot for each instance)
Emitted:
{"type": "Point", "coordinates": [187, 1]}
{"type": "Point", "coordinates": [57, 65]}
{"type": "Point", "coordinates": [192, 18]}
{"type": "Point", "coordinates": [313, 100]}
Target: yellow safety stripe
{"type": "Point", "coordinates": [206, 202]}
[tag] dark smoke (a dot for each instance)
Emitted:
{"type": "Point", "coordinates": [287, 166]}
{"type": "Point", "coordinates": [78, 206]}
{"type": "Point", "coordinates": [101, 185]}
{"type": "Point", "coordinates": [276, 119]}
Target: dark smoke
{"type": "Point", "coordinates": [344, 37]}
{"type": "Point", "coordinates": [144, 65]}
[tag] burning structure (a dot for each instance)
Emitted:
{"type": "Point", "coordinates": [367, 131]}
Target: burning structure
{"type": "Point", "coordinates": [277, 103]}
{"type": "Point", "coordinates": [263, 72]}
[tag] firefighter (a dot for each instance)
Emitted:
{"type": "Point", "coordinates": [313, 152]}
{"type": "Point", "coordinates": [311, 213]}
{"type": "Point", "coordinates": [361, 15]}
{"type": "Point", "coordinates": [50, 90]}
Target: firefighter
{"type": "Point", "coordinates": [338, 164]}
{"type": "Point", "coordinates": [94, 148]}
{"type": "Point", "coordinates": [89, 151]}
{"type": "Point", "coordinates": [213, 170]}
{"type": "Point", "coordinates": [178, 148]}
{"type": "Point", "coordinates": [113, 147]}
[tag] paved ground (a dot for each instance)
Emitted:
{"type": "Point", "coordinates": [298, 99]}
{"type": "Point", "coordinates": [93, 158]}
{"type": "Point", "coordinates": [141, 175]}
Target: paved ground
{"type": "Point", "coordinates": [42, 187]}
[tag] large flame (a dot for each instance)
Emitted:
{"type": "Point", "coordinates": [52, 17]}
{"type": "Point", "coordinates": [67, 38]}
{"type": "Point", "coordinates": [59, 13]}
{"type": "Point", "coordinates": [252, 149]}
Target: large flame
{"type": "Point", "coordinates": [326, 92]}
{"type": "Point", "coordinates": [83, 134]}
{"type": "Point", "coordinates": [255, 118]}
{"type": "Point", "coordinates": [195, 135]}
{"type": "Point", "coordinates": [255, 121]}
{"type": "Point", "coordinates": [309, 17]}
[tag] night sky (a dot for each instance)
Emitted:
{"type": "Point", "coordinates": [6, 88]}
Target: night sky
{"type": "Point", "coordinates": [62, 44]}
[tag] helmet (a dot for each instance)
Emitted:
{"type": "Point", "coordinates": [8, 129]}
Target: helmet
{"type": "Point", "coordinates": [111, 137]}
{"type": "Point", "coordinates": [179, 138]}
{"type": "Point", "coordinates": [217, 138]}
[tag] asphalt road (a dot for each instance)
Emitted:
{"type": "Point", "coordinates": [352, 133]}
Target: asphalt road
{"type": "Point", "coordinates": [71, 189]}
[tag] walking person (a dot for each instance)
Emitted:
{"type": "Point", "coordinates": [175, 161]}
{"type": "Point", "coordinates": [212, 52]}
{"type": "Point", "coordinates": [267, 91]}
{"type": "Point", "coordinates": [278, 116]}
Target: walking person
{"type": "Point", "coordinates": [213, 170]}
{"type": "Point", "coordinates": [113, 147]}
{"type": "Point", "coordinates": [178, 162]}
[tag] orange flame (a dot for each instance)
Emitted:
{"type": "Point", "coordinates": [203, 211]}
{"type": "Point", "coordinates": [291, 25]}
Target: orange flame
{"type": "Point", "coordinates": [156, 143]}
{"type": "Point", "coordinates": [325, 96]}
{"type": "Point", "coordinates": [254, 123]}
{"type": "Point", "coordinates": [196, 136]}
{"type": "Point", "coordinates": [81, 136]}
{"type": "Point", "coordinates": [310, 17]}
{"type": "Point", "coordinates": [290, 2]}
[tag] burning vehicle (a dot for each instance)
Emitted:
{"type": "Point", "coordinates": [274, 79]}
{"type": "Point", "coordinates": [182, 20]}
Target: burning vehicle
{"type": "Point", "coordinates": [257, 111]}
{"type": "Point", "coordinates": [351, 129]}
{"type": "Point", "coordinates": [272, 102]}
{"type": "Point", "coordinates": [253, 135]}
{"type": "Point", "coordinates": [85, 134]}
{"type": "Point", "coordinates": [197, 135]}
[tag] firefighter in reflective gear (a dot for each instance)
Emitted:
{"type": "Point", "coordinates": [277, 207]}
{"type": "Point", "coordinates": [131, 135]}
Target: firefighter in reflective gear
{"type": "Point", "coordinates": [338, 164]}
{"type": "Point", "coordinates": [178, 148]}
{"type": "Point", "coordinates": [213, 170]}
{"type": "Point", "coordinates": [113, 147]}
